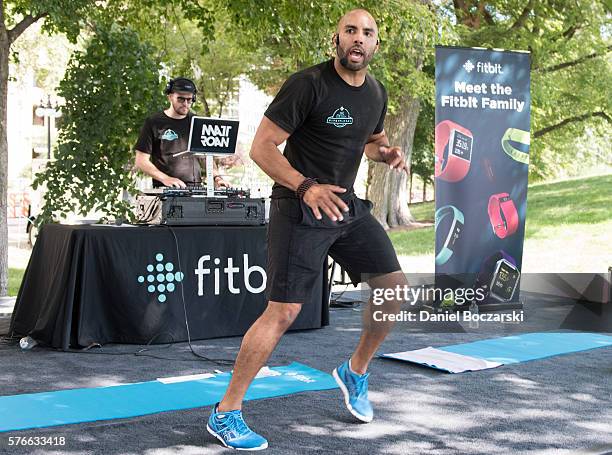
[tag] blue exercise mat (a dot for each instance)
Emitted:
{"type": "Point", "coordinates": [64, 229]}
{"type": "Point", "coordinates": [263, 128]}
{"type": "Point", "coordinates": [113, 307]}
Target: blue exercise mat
{"type": "Point", "coordinates": [530, 346]}
{"type": "Point", "coordinates": [492, 353]}
{"type": "Point", "coordinates": [36, 410]}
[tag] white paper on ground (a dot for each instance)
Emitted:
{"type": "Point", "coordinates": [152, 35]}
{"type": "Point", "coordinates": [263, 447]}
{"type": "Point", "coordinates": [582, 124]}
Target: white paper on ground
{"type": "Point", "coordinates": [443, 360]}
{"type": "Point", "coordinates": [189, 377]}
{"type": "Point", "coordinates": [266, 372]}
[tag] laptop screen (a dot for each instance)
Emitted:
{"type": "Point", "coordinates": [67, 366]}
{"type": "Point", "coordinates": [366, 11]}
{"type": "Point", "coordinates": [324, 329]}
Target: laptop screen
{"type": "Point", "coordinates": [213, 136]}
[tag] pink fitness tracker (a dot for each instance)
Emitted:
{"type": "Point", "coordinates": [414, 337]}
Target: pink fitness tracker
{"type": "Point", "coordinates": [503, 215]}
{"type": "Point", "coordinates": [452, 162]}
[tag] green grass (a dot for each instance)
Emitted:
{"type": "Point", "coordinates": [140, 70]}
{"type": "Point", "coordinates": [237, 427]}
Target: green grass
{"type": "Point", "coordinates": [423, 211]}
{"type": "Point", "coordinates": [579, 201]}
{"type": "Point", "coordinates": [568, 228]}
{"type": "Point", "coordinates": [14, 280]}
{"type": "Point", "coordinates": [415, 242]}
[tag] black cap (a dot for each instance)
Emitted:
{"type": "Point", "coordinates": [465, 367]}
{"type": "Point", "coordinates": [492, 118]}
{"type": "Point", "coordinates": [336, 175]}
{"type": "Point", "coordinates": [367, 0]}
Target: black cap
{"type": "Point", "coordinates": [182, 84]}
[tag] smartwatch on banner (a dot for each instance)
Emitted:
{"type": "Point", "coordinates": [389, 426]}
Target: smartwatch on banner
{"type": "Point", "coordinates": [453, 165]}
{"type": "Point", "coordinates": [503, 215]}
{"type": "Point", "coordinates": [453, 233]}
{"type": "Point", "coordinates": [516, 135]}
{"type": "Point", "coordinates": [500, 276]}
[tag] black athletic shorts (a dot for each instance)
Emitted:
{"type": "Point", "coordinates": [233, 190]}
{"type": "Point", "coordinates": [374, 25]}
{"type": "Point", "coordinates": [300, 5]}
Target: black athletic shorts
{"type": "Point", "coordinates": [298, 245]}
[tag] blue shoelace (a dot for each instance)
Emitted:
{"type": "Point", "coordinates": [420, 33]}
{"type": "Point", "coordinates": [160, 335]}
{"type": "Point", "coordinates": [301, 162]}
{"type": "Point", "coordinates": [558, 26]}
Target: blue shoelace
{"type": "Point", "coordinates": [360, 384]}
{"type": "Point", "coordinates": [233, 425]}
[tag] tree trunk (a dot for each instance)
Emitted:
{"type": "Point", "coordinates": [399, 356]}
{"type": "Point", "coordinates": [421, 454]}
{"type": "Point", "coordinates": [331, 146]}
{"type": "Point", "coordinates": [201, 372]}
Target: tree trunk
{"type": "Point", "coordinates": [4, 74]}
{"type": "Point", "coordinates": [410, 188]}
{"type": "Point", "coordinates": [388, 189]}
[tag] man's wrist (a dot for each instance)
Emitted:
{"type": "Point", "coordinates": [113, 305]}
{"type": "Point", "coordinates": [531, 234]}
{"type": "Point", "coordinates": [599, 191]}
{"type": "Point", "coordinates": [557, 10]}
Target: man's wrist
{"type": "Point", "coordinates": [306, 184]}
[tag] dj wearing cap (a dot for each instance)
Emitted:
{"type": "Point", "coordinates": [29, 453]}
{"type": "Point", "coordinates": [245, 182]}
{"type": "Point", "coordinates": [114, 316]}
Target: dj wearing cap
{"type": "Point", "coordinates": [164, 136]}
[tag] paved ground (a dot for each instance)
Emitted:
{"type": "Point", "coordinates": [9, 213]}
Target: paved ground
{"type": "Point", "coordinates": [560, 405]}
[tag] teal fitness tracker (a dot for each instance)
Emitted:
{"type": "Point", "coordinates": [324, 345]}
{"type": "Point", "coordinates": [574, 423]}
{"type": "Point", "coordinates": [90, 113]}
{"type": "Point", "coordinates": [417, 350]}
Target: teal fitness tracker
{"type": "Point", "coordinates": [456, 227]}
{"type": "Point", "coordinates": [519, 136]}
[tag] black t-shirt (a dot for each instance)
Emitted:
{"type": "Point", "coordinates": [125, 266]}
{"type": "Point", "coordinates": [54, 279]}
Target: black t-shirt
{"type": "Point", "coordinates": [329, 122]}
{"type": "Point", "coordinates": [161, 137]}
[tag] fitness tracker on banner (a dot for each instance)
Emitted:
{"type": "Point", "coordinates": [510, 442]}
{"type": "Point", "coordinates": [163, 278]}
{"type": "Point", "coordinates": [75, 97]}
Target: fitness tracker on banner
{"type": "Point", "coordinates": [503, 215]}
{"type": "Point", "coordinates": [453, 233]}
{"type": "Point", "coordinates": [500, 276]}
{"type": "Point", "coordinates": [452, 162]}
{"type": "Point", "coordinates": [516, 135]}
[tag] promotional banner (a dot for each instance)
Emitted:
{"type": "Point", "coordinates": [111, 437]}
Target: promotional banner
{"type": "Point", "coordinates": [481, 167]}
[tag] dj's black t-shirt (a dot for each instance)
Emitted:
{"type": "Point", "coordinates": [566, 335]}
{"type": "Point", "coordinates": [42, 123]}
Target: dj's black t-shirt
{"type": "Point", "coordinates": [162, 137]}
{"type": "Point", "coordinates": [329, 122]}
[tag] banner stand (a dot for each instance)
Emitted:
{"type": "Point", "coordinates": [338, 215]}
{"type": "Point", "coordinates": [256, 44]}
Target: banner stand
{"type": "Point", "coordinates": [482, 139]}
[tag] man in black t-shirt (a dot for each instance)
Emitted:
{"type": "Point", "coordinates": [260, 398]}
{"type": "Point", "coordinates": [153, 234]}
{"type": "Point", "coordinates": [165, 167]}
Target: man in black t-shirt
{"type": "Point", "coordinates": [165, 134]}
{"type": "Point", "coordinates": [329, 115]}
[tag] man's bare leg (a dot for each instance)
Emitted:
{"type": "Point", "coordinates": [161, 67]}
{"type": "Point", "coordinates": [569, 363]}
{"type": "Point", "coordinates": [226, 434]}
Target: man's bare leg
{"type": "Point", "coordinates": [257, 346]}
{"type": "Point", "coordinates": [374, 333]}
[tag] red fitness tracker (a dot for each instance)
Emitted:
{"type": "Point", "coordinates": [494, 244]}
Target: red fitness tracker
{"type": "Point", "coordinates": [503, 215]}
{"type": "Point", "coordinates": [452, 162]}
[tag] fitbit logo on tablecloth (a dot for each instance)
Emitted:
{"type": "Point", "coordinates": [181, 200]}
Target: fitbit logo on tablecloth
{"type": "Point", "coordinates": [161, 278]}
{"type": "Point", "coordinates": [249, 272]}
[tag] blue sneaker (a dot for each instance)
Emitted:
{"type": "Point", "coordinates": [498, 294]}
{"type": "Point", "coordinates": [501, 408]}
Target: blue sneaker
{"type": "Point", "coordinates": [355, 390]}
{"type": "Point", "coordinates": [231, 429]}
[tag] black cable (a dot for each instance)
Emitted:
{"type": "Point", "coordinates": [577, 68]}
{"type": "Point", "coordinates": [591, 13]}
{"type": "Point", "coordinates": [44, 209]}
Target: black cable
{"type": "Point", "coordinates": [341, 294]}
{"type": "Point", "coordinates": [178, 255]}
{"type": "Point", "coordinates": [8, 340]}
{"type": "Point", "coordinates": [138, 353]}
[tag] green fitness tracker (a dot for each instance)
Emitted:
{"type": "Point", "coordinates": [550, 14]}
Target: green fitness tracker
{"type": "Point", "coordinates": [516, 135]}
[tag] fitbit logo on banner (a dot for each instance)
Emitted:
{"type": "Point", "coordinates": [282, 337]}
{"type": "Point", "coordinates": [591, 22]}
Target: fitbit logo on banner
{"type": "Point", "coordinates": [468, 66]}
{"type": "Point", "coordinates": [161, 278]}
{"type": "Point", "coordinates": [483, 67]}
{"type": "Point", "coordinates": [229, 270]}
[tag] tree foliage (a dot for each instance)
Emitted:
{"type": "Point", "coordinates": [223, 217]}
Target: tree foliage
{"type": "Point", "coordinates": [15, 17]}
{"type": "Point", "coordinates": [214, 64]}
{"type": "Point", "coordinates": [292, 35]}
{"type": "Point", "coordinates": [570, 44]}
{"type": "Point", "coordinates": [109, 88]}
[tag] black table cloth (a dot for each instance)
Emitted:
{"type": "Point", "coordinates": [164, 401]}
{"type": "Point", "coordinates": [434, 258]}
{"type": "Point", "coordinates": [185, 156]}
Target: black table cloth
{"type": "Point", "coordinates": [89, 284]}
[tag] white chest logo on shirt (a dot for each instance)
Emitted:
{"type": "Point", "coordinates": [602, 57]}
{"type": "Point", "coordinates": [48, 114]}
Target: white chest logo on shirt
{"type": "Point", "coordinates": [169, 135]}
{"type": "Point", "coordinates": [340, 118]}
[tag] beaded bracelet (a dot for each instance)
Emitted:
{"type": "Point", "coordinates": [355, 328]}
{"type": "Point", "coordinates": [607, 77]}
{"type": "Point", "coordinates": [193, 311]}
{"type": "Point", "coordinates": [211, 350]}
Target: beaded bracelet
{"type": "Point", "coordinates": [305, 186]}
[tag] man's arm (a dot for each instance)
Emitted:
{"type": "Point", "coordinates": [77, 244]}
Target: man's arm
{"type": "Point", "coordinates": [143, 162]}
{"type": "Point", "coordinates": [378, 149]}
{"type": "Point", "coordinates": [265, 153]}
